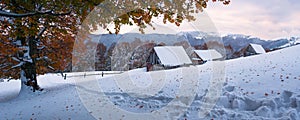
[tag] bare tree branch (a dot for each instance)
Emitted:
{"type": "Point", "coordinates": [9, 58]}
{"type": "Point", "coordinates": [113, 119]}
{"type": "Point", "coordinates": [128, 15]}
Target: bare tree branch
{"type": "Point", "coordinates": [41, 31]}
{"type": "Point", "coordinates": [2, 6]}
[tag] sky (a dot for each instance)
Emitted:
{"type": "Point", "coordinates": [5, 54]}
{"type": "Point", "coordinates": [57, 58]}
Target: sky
{"type": "Point", "coordinates": [267, 19]}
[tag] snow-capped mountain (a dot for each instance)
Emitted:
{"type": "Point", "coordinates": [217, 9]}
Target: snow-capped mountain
{"type": "Point", "coordinates": [236, 41]}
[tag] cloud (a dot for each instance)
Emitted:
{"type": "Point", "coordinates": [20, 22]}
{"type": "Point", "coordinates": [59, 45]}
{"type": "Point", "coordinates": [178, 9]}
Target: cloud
{"type": "Point", "coordinates": [265, 19]}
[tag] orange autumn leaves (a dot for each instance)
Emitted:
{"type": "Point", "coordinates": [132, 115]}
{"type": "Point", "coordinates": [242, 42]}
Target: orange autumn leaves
{"type": "Point", "coordinates": [55, 45]}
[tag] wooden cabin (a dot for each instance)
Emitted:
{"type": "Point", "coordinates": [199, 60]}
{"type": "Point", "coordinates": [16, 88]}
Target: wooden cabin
{"type": "Point", "coordinates": [167, 57]}
{"type": "Point", "coordinates": [201, 56]}
{"type": "Point", "coordinates": [253, 49]}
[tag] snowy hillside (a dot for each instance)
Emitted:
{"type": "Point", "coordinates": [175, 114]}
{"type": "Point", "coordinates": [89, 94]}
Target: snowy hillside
{"type": "Point", "coordinates": [263, 86]}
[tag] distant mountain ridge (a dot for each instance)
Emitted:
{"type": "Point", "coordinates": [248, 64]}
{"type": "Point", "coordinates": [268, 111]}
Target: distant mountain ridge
{"type": "Point", "coordinates": [118, 50]}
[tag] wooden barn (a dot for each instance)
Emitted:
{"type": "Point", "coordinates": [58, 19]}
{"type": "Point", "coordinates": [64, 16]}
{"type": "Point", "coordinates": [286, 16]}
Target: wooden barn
{"type": "Point", "coordinates": [167, 57]}
{"type": "Point", "coordinates": [201, 56]}
{"type": "Point", "coordinates": [253, 49]}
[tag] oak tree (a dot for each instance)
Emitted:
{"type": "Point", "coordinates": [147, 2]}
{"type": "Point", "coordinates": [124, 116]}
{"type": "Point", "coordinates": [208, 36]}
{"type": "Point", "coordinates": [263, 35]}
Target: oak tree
{"type": "Point", "coordinates": [37, 36]}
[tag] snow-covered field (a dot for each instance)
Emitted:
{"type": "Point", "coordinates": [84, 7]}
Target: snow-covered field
{"type": "Point", "coordinates": [262, 86]}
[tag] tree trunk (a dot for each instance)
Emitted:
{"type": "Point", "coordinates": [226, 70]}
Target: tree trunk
{"type": "Point", "coordinates": [25, 89]}
{"type": "Point", "coordinates": [28, 69]}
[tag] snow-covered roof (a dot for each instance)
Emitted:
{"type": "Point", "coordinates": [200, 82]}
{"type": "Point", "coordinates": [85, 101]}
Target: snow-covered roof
{"type": "Point", "coordinates": [172, 55]}
{"type": "Point", "coordinates": [208, 54]}
{"type": "Point", "coordinates": [297, 41]}
{"type": "Point", "coordinates": [258, 48]}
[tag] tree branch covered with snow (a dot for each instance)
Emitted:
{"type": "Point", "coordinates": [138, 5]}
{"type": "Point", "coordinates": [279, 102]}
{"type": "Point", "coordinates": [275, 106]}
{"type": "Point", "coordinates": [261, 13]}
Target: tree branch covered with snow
{"type": "Point", "coordinates": [16, 15]}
